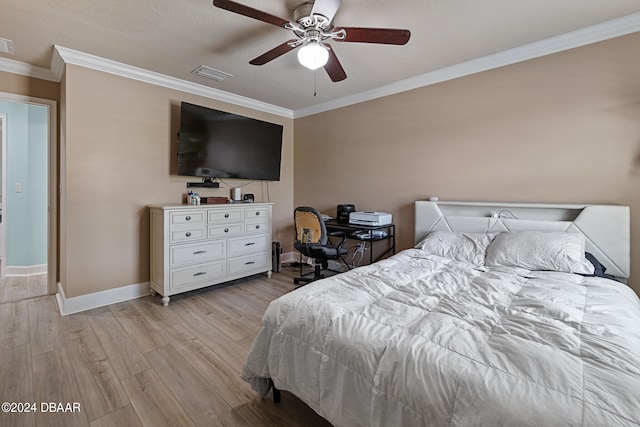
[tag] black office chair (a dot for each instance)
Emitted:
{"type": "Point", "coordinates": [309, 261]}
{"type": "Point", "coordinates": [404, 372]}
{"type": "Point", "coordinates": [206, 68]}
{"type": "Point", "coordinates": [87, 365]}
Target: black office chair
{"type": "Point", "coordinates": [312, 240]}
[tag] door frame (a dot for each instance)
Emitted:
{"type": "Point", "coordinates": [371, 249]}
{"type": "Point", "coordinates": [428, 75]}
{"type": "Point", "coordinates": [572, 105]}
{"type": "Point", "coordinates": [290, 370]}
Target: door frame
{"type": "Point", "coordinates": [52, 214]}
{"type": "Point", "coordinates": [3, 229]}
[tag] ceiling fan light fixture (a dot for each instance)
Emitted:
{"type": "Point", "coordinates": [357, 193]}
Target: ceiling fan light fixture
{"type": "Point", "coordinates": [313, 56]}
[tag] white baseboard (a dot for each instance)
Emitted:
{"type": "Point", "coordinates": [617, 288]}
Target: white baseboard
{"type": "Point", "coordinates": [26, 270]}
{"type": "Point", "coordinates": [100, 299]}
{"type": "Point", "coordinates": [337, 266]}
{"type": "Point", "coordinates": [295, 257]}
{"type": "Point", "coordinates": [124, 293]}
{"type": "Point", "coordinates": [289, 257]}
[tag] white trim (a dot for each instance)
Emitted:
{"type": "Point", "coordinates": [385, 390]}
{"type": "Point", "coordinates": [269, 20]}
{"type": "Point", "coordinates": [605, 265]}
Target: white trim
{"type": "Point", "coordinates": [596, 33]}
{"type": "Point", "coordinates": [52, 178]}
{"type": "Point", "coordinates": [289, 257]}
{"type": "Point", "coordinates": [25, 270]}
{"type": "Point", "coordinates": [100, 299]}
{"type": "Point", "coordinates": [108, 66]}
{"type": "Point", "coordinates": [295, 257]}
{"type": "Point", "coordinates": [3, 197]}
{"type": "Point", "coordinates": [24, 69]}
{"type": "Point", "coordinates": [57, 65]}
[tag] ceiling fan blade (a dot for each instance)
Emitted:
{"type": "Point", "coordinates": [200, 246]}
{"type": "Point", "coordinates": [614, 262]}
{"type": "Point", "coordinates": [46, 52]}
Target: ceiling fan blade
{"type": "Point", "coordinates": [232, 6]}
{"type": "Point", "coordinates": [333, 66]}
{"type": "Point", "coordinates": [326, 8]}
{"type": "Point", "coordinates": [374, 35]}
{"type": "Point", "coordinates": [274, 53]}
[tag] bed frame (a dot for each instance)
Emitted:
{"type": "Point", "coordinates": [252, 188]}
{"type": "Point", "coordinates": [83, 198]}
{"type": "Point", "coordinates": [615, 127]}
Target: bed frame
{"type": "Point", "coordinates": [605, 227]}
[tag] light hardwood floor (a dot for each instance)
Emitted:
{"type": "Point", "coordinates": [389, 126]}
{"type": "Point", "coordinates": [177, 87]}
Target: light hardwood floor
{"type": "Point", "coordinates": [16, 288]}
{"type": "Point", "coordinates": [137, 363]}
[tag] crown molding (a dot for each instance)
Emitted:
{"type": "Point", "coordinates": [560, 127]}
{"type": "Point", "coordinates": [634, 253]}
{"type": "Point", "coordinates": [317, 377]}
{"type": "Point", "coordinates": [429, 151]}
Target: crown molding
{"type": "Point", "coordinates": [596, 33]}
{"type": "Point", "coordinates": [57, 65]}
{"type": "Point", "coordinates": [62, 56]}
{"type": "Point", "coordinates": [24, 69]}
{"type": "Point", "coordinates": [70, 56]}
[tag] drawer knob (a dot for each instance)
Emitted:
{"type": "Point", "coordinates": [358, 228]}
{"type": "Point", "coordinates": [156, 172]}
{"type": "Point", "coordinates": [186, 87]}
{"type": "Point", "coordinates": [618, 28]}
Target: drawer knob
{"type": "Point", "coordinates": [257, 226]}
{"type": "Point", "coordinates": [250, 244]}
{"type": "Point", "coordinates": [188, 234]}
{"type": "Point", "coordinates": [200, 273]}
{"type": "Point", "coordinates": [199, 252]}
{"type": "Point", "coordinates": [257, 213]}
{"type": "Point", "coordinates": [226, 230]}
{"type": "Point", "coordinates": [249, 262]}
{"type": "Point", "coordinates": [226, 215]}
{"type": "Point", "coordinates": [188, 218]}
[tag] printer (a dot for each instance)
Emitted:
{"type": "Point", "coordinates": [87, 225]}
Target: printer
{"type": "Point", "coordinates": [373, 219]}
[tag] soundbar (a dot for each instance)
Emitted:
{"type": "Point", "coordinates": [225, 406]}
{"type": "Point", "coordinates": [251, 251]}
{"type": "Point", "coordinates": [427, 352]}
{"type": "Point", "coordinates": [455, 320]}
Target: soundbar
{"type": "Point", "coordinates": [204, 184]}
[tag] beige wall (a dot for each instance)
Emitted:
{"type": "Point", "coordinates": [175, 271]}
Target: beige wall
{"type": "Point", "coordinates": [27, 86]}
{"type": "Point", "coordinates": [119, 156]}
{"type": "Point", "coordinates": [562, 128]}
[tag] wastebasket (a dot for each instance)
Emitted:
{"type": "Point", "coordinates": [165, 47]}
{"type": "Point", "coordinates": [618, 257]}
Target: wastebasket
{"type": "Point", "coordinates": [276, 251]}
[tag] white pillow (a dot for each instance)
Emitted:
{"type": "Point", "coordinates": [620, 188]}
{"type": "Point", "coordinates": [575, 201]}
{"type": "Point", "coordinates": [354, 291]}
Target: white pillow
{"type": "Point", "coordinates": [467, 247]}
{"type": "Point", "coordinates": [540, 250]}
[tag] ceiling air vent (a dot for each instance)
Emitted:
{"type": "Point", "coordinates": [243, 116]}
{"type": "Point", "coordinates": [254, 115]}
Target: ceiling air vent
{"type": "Point", "coordinates": [6, 46]}
{"type": "Point", "coordinates": [210, 73]}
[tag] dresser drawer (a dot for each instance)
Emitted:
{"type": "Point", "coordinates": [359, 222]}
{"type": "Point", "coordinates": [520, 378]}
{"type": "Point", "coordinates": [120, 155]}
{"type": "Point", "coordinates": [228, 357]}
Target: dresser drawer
{"type": "Point", "coordinates": [257, 212]}
{"type": "Point", "coordinates": [256, 227]}
{"type": "Point", "coordinates": [225, 230]}
{"type": "Point", "coordinates": [245, 245]}
{"type": "Point", "coordinates": [197, 253]}
{"type": "Point", "coordinates": [224, 215]}
{"type": "Point", "coordinates": [186, 234]}
{"type": "Point", "coordinates": [185, 276]}
{"type": "Point", "coordinates": [249, 263]}
{"type": "Point", "coordinates": [186, 217]}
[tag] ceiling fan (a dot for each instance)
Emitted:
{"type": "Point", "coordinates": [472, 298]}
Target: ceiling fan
{"type": "Point", "coordinates": [312, 26]}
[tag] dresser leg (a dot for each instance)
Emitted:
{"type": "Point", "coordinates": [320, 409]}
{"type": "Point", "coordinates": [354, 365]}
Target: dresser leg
{"type": "Point", "coordinates": [165, 301]}
{"type": "Point", "coordinates": [269, 274]}
{"type": "Point", "coordinates": [152, 292]}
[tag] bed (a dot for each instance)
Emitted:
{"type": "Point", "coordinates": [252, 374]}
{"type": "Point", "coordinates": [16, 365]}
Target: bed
{"type": "Point", "coordinates": [496, 317]}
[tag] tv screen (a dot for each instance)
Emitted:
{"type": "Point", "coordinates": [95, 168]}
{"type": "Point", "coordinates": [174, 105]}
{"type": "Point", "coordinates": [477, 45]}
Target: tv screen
{"type": "Point", "coordinates": [217, 144]}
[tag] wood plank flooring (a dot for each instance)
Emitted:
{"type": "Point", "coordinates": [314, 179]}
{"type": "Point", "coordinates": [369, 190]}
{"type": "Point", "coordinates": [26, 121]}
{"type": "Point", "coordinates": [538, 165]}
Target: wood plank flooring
{"type": "Point", "coordinates": [137, 363]}
{"type": "Point", "coordinates": [17, 288]}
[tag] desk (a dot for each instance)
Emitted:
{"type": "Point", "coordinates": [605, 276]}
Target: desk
{"type": "Point", "coordinates": [351, 229]}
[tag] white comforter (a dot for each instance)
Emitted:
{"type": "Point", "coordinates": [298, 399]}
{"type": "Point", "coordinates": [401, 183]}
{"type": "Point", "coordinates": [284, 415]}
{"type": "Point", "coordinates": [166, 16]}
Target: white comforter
{"type": "Point", "coordinates": [421, 340]}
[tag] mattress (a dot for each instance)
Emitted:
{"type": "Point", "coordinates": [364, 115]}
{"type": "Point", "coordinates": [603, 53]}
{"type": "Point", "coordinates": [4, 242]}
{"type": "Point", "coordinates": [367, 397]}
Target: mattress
{"type": "Point", "coordinates": [419, 339]}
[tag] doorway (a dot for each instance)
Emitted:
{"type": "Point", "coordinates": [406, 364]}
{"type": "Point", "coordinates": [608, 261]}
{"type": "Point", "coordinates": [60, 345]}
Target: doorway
{"type": "Point", "coordinates": [28, 198]}
{"type": "Point", "coordinates": [3, 190]}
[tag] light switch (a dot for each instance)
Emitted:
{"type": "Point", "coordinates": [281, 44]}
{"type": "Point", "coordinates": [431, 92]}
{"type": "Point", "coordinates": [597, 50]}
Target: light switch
{"type": "Point", "coordinates": [18, 187]}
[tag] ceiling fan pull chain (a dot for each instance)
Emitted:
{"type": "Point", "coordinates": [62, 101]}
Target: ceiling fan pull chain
{"type": "Point", "coordinates": [315, 83]}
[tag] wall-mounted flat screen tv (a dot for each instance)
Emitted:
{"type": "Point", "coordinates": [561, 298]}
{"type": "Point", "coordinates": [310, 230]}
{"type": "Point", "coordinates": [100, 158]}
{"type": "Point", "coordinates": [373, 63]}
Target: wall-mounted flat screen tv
{"type": "Point", "coordinates": [217, 144]}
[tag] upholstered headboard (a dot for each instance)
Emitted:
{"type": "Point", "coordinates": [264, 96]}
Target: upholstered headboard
{"type": "Point", "coordinates": [605, 227]}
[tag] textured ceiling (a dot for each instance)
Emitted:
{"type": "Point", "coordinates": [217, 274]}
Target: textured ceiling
{"type": "Point", "coordinates": [174, 37]}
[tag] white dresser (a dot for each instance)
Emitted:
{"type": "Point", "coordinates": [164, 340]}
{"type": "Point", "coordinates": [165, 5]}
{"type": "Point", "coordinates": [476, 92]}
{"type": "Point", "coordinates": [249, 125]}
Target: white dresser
{"type": "Point", "coordinates": [197, 246]}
